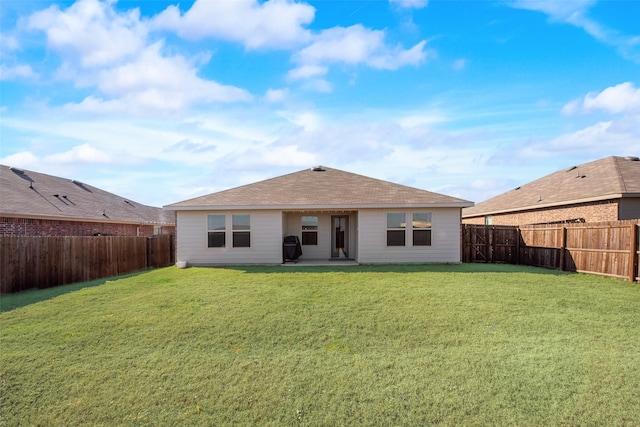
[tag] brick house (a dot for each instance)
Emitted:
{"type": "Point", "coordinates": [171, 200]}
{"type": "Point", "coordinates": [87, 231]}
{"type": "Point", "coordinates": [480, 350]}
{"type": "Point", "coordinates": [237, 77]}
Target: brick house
{"type": "Point", "coordinates": [36, 204]}
{"type": "Point", "coordinates": [603, 190]}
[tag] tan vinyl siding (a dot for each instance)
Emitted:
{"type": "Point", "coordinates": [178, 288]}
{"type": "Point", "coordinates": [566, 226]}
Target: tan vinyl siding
{"type": "Point", "coordinates": [266, 239]}
{"type": "Point", "coordinates": [445, 239]}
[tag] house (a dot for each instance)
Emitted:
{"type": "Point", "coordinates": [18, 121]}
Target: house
{"type": "Point", "coordinates": [335, 215]}
{"type": "Point", "coordinates": [603, 190]}
{"type": "Point", "coordinates": [36, 204]}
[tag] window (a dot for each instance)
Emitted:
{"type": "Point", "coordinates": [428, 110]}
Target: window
{"type": "Point", "coordinates": [241, 228]}
{"type": "Point", "coordinates": [309, 230]}
{"type": "Point", "coordinates": [396, 225]}
{"type": "Point", "coordinates": [216, 231]}
{"type": "Point", "coordinates": [421, 225]}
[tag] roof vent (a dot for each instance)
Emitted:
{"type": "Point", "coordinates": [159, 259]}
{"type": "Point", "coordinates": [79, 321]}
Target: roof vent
{"type": "Point", "coordinates": [632, 158]}
{"type": "Point", "coordinates": [318, 169]}
{"type": "Point", "coordinates": [16, 170]}
{"type": "Point", "coordinates": [571, 168]}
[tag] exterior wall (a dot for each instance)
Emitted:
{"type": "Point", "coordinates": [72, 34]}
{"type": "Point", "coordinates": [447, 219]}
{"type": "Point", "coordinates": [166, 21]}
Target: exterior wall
{"type": "Point", "coordinates": [45, 227]}
{"type": "Point", "coordinates": [445, 238]}
{"type": "Point", "coordinates": [266, 239]}
{"type": "Point", "coordinates": [591, 212]}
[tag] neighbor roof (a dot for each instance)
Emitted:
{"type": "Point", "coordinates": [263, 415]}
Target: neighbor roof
{"type": "Point", "coordinates": [27, 194]}
{"type": "Point", "coordinates": [320, 188]}
{"type": "Point", "coordinates": [609, 178]}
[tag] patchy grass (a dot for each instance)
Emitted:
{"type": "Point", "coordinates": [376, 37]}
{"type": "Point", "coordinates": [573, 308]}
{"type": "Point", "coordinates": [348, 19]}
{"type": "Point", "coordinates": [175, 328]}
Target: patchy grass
{"type": "Point", "coordinates": [368, 345]}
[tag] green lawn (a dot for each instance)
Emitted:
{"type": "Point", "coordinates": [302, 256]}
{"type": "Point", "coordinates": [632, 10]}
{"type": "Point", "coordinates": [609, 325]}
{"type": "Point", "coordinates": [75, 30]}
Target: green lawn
{"type": "Point", "coordinates": [367, 345]}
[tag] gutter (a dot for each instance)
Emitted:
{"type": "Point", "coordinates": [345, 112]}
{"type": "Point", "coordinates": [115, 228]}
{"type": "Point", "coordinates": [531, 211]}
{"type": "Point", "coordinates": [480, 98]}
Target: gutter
{"type": "Point", "coordinates": [318, 207]}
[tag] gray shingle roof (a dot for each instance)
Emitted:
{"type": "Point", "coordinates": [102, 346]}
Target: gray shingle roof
{"type": "Point", "coordinates": [314, 189]}
{"type": "Point", "coordinates": [37, 195]}
{"type": "Point", "coordinates": [609, 178]}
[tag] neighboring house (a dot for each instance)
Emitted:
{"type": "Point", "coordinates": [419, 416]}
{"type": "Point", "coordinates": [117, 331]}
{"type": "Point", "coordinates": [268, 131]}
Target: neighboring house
{"type": "Point", "coordinates": [603, 190]}
{"type": "Point", "coordinates": [35, 204]}
{"type": "Point", "coordinates": [335, 214]}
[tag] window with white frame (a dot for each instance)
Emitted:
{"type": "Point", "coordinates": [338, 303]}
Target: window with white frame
{"type": "Point", "coordinates": [310, 230]}
{"type": "Point", "coordinates": [421, 227]}
{"type": "Point", "coordinates": [241, 229]}
{"type": "Point", "coordinates": [396, 227]}
{"type": "Point", "coordinates": [216, 231]}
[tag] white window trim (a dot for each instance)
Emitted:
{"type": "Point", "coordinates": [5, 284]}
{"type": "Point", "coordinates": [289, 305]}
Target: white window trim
{"type": "Point", "coordinates": [408, 229]}
{"type": "Point", "coordinates": [232, 231]}
{"type": "Point", "coordinates": [387, 229]}
{"type": "Point", "coordinates": [216, 231]}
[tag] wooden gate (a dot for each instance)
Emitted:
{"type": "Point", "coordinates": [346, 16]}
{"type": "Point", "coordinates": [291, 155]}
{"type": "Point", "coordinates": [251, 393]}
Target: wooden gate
{"type": "Point", "coordinates": [492, 244]}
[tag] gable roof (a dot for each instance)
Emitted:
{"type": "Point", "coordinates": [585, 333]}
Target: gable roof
{"type": "Point", "coordinates": [319, 188]}
{"type": "Point", "coordinates": [609, 178]}
{"type": "Point", "coordinates": [28, 194]}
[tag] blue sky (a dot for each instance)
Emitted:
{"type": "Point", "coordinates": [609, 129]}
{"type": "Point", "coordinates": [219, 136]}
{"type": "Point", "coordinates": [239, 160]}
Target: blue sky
{"type": "Point", "coordinates": [161, 101]}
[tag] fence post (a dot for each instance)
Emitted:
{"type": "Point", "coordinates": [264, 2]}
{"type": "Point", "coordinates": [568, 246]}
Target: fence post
{"type": "Point", "coordinates": [518, 238]}
{"type": "Point", "coordinates": [563, 246]}
{"type": "Point", "coordinates": [633, 252]}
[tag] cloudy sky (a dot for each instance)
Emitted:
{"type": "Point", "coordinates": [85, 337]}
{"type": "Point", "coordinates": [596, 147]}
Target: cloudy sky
{"type": "Point", "coordinates": [161, 101]}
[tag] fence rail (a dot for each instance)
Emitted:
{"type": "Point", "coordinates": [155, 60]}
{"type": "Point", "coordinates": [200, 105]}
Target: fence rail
{"type": "Point", "coordinates": [609, 249]}
{"type": "Point", "coordinates": [43, 262]}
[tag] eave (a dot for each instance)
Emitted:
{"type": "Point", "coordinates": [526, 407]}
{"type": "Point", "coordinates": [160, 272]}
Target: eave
{"type": "Point", "coordinates": [77, 219]}
{"type": "Point", "coordinates": [319, 207]}
{"type": "Point", "coordinates": [542, 205]}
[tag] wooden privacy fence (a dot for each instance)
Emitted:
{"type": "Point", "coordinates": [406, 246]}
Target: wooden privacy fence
{"type": "Point", "coordinates": [609, 248]}
{"type": "Point", "coordinates": [43, 262]}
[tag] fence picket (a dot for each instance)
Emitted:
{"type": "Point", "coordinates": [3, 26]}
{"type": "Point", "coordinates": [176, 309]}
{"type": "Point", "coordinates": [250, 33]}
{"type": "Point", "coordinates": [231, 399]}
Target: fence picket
{"type": "Point", "coordinates": [42, 262]}
{"type": "Point", "coordinates": [609, 249]}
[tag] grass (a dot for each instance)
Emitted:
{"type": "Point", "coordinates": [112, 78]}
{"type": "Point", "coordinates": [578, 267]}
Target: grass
{"type": "Point", "coordinates": [367, 345]}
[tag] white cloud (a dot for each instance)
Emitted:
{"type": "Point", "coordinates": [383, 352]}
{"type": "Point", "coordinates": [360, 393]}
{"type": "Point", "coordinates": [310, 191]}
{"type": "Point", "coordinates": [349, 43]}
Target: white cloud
{"type": "Point", "coordinates": [15, 72]}
{"type": "Point", "coordinates": [357, 44]}
{"type": "Point", "coordinates": [276, 95]}
{"type": "Point", "coordinates": [459, 64]}
{"type": "Point", "coordinates": [308, 120]}
{"type": "Point", "coordinates": [353, 45]}
{"type": "Point", "coordinates": [318, 85]}
{"type": "Point", "coordinates": [288, 155]}
{"type": "Point", "coordinates": [601, 139]}
{"type": "Point", "coordinates": [616, 99]}
{"type": "Point", "coordinates": [598, 140]}
{"type": "Point", "coordinates": [164, 83]}
{"type": "Point", "coordinates": [107, 50]}
{"type": "Point", "coordinates": [91, 32]}
{"type": "Point", "coordinates": [574, 12]}
{"type": "Point", "coordinates": [84, 153]}
{"type": "Point", "coordinates": [410, 4]}
{"type": "Point", "coordinates": [564, 11]}
{"type": "Point", "coordinates": [23, 159]}
{"type": "Point", "coordinates": [8, 43]}
{"type": "Point", "coordinates": [307, 71]}
{"type": "Point", "coordinates": [272, 24]}
{"type": "Point", "coordinates": [421, 119]}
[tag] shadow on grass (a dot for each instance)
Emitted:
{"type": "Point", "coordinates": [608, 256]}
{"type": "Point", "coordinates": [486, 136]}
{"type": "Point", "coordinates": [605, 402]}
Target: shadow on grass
{"type": "Point", "coordinates": [402, 268]}
{"type": "Point", "coordinates": [10, 302]}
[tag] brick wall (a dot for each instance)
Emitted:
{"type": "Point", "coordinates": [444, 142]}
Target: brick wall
{"type": "Point", "coordinates": [45, 227]}
{"type": "Point", "coordinates": [591, 212]}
